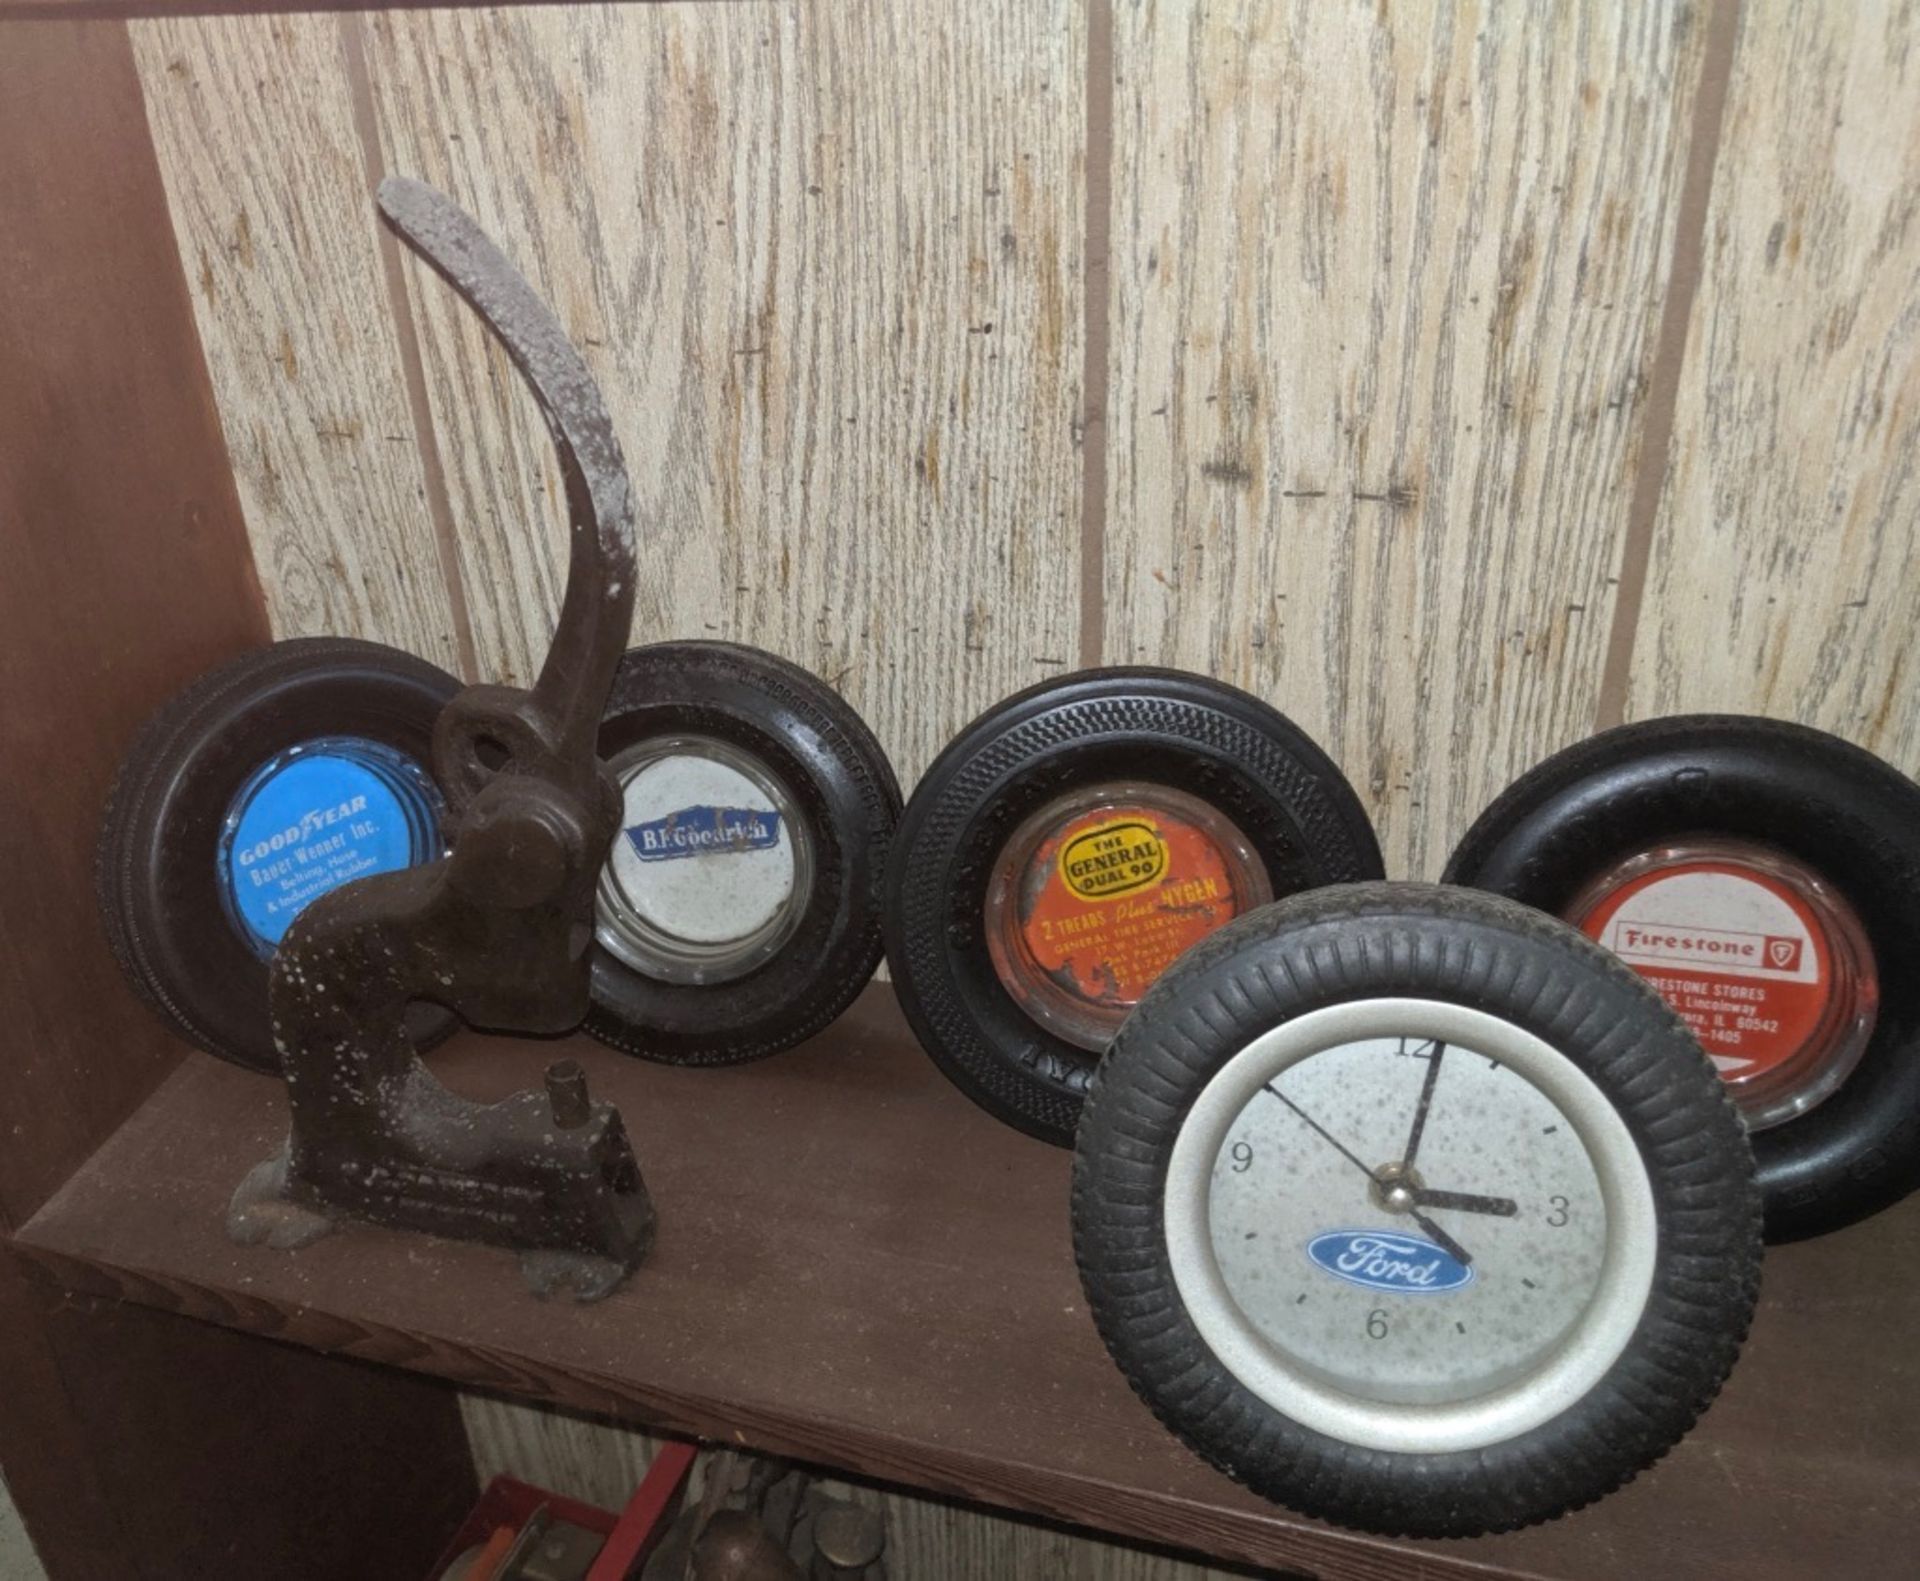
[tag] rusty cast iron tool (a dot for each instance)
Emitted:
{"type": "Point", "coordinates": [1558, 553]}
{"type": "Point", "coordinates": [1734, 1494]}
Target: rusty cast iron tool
{"type": "Point", "coordinates": [499, 929]}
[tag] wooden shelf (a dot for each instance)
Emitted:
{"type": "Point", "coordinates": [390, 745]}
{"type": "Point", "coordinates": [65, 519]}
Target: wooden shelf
{"type": "Point", "coordinates": [858, 1268]}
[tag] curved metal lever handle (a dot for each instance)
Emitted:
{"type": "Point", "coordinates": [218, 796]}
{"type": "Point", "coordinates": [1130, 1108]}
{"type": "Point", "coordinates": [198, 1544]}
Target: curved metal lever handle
{"type": "Point", "coordinates": [500, 929]}
{"type": "Point", "coordinates": [597, 613]}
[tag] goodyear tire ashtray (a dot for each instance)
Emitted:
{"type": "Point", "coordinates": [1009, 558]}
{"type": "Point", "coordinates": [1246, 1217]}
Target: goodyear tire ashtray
{"type": "Point", "coordinates": [263, 785]}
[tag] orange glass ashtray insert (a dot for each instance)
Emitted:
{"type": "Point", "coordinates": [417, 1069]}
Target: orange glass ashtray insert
{"type": "Point", "coordinates": [1091, 903]}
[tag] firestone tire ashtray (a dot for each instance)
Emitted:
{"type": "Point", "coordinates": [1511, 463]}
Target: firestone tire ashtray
{"type": "Point", "coordinates": [740, 911]}
{"type": "Point", "coordinates": [1070, 844]}
{"type": "Point", "coordinates": [1414, 1210]}
{"type": "Point", "coordinates": [261, 786]}
{"type": "Point", "coordinates": [1765, 877]}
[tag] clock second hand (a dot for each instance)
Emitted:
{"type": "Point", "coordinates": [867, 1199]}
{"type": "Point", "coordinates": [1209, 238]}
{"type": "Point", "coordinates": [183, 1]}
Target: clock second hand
{"type": "Point", "coordinates": [1339, 1146]}
{"type": "Point", "coordinates": [1445, 1241]}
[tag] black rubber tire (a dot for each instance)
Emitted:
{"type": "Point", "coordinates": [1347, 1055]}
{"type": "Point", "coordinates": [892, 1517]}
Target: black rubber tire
{"type": "Point", "coordinates": [1420, 940]}
{"type": "Point", "coordinates": [1187, 731]}
{"type": "Point", "coordinates": [822, 752]}
{"type": "Point", "coordinates": [1827, 803]}
{"type": "Point", "coordinates": [155, 871]}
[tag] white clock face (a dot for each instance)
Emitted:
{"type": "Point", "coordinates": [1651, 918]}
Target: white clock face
{"type": "Point", "coordinates": [1411, 1225]}
{"type": "Point", "coordinates": [1334, 1267]}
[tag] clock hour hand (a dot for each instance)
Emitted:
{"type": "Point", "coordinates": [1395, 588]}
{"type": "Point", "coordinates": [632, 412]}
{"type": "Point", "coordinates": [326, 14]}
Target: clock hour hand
{"type": "Point", "coordinates": [1445, 1241]}
{"type": "Point", "coordinates": [1465, 1202]}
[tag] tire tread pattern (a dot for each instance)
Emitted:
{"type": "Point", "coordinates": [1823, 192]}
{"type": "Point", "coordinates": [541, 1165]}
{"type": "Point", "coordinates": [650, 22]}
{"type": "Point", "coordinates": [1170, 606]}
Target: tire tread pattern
{"type": "Point", "coordinates": [125, 824]}
{"type": "Point", "coordinates": [1331, 825]}
{"type": "Point", "coordinates": [1363, 941]}
{"type": "Point", "coordinates": [1824, 801]}
{"type": "Point", "coordinates": [860, 757]}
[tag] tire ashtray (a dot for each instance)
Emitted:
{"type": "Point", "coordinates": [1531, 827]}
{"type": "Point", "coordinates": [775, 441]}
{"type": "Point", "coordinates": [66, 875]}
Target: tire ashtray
{"type": "Point", "coordinates": [1764, 877]}
{"type": "Point", "coordinates": [264, 784]}
{"type": "Point", "coordinates": [1071, 844]}
{"type": "Point", "coordinates": [739, 912]}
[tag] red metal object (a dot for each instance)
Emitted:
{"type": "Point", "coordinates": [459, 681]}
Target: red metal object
{"type": "Point", "coordinates": [506, 1501]}
{"type": "Point", "coordinates": [631, 1535]}
{"type": "Point", "coordinates": [645, 1519]}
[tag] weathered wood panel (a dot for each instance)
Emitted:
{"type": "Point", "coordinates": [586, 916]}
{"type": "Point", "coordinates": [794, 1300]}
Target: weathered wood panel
{"type": "Point", "coordinates": [1785, 573]}
{"type": "Point", "coordinates": [926, 1538]}
{"type": "Point", "coordinates": [957, 1542]}
{"type": "Point", "coordinates": [593, 1461]}
{"type": "Point", "coordinates": [1385, 288]}
{"type": "Point", "coordinates": [17, 1556]}
{"type": "Point", "coordinates": [254, 129]}
{"type": "Point", "coordinates": [825, 261]}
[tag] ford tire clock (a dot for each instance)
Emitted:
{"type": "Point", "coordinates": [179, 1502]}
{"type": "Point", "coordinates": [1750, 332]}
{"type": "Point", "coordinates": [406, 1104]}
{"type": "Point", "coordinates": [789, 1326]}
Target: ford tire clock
{"type": "Point", "coordinates": [739, 913]}
{"type": "Point", "coordinates": [266, 783]}
{"type": "Point", "coordinates": [1070, 844]}
{"type": "Point", "coordinates": [1415, 1211]}
{"type": "Point", "coordinates": [1766, 878]}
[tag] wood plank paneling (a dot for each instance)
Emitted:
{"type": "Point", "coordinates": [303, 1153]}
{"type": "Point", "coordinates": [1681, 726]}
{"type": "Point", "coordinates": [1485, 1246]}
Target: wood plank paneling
{"type": "Point", "coordinates": [602, 1463]}
{"type": "Point", "coordinates": [957, 1542]}
{"type": "Point", "coordinates": [1385, 284]}
{"type": "Point", "coordinates": [595, 1462]}
{"type": "Point", "coordinates": [825, 261]}
{"type": "Point", "coordinates": [1785, 572]}
{"type": "Point", "coordinates": [254, 127]}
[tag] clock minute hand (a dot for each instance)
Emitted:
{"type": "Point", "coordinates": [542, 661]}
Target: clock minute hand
{"type": "Point", "coordinates": [1426, 1101]}
{"type": "Point", "coordinates": [1465, 1202]}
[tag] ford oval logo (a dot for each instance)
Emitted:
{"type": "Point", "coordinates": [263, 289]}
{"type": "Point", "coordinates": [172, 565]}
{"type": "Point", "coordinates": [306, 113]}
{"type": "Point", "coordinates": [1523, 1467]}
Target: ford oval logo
{"type": "Point", "coordinates": [1402, 1264]}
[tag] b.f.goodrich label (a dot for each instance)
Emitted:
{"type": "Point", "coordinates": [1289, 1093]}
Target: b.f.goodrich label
{"type": "Point", "coordinates": [702, 831]}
